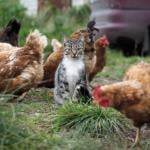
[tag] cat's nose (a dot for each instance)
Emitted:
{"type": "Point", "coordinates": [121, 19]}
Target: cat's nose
{"type": "Point", "coordinates": [74, 55]}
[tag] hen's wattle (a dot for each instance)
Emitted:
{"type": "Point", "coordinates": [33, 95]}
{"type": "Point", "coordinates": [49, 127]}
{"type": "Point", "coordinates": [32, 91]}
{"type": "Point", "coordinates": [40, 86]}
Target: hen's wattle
{"type": "Point", "coordinates": [100, 98]}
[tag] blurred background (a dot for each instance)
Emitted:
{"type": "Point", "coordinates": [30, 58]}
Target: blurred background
{"type": "Point", "coordinates": [54, 18]}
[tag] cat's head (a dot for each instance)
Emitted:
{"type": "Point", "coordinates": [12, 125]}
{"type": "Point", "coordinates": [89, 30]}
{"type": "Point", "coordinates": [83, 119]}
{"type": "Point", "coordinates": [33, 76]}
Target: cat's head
{"type": "Point", "coordinates": [74, 48]}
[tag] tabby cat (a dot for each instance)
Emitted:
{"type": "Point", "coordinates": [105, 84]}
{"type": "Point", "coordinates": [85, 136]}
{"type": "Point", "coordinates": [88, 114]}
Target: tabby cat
{"type": "Point", "coordinates": [70, 76]}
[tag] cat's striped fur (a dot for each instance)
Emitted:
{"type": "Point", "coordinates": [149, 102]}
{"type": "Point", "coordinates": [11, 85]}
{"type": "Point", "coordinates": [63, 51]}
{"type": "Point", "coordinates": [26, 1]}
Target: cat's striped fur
{"type": "Point", "coordinates": [70, 74]}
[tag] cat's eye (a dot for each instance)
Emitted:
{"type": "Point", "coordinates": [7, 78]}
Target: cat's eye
{"type": "Point", "coordinates": [80, 50]}
{"type": "Point", "coordinates": [66, 51]}
{"type": "Point", "coordinates": [80, 53]}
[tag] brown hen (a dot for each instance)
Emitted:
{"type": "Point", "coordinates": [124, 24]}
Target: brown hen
{"type": "Point", "coordinates": [22, 67]}
{"type": "Point", "coordinates": [131, 96]}
{"type": "Point", "coordinates": [51, 64]}
{"type": "Point", "coordinates": [139, 72]}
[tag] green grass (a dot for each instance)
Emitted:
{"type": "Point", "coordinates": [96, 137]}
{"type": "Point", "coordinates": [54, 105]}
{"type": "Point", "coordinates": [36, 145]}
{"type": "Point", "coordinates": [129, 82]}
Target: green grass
{"type": "Point", "coordinates": [90, 119]}
{"type": "Point", "coordinates": [38, 123]}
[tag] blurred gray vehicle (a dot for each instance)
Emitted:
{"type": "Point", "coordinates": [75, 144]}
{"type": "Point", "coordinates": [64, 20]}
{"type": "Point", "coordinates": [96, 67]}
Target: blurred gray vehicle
{"type": "Point", "coordinates": [125, 22]}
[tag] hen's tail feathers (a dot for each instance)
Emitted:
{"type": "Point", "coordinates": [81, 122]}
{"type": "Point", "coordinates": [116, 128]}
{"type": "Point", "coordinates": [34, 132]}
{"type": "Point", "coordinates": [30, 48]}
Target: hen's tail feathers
{"type": "Point", "coordinates": [13, 26]}
{"type": "Point", "coordinates": [91, 29]}
{"type": "Point", "coordinates": [36, 40]}
{"type": "Point", "coordinates": [56, 44]}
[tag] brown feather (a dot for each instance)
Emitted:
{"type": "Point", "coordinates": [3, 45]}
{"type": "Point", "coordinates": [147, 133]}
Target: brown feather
{"type": "Point", "coordinates": [22, 67]}
{"type": "Point", "coordinates": [132, 95]}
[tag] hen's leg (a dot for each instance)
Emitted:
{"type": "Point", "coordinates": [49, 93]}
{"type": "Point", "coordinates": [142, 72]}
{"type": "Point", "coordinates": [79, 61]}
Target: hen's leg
{"type": "Point", "coordinates": [21, 97]}
{"type": "Point", "coordinates": [137, 138]}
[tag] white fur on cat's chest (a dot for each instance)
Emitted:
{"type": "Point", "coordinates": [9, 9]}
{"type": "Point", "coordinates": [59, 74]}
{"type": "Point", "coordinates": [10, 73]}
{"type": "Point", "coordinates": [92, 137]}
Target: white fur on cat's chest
{"type": "Point", "coordinates": [73, 71]}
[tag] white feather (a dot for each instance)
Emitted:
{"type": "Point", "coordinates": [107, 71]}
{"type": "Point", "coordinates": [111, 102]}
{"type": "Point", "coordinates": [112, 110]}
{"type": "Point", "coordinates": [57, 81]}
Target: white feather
{"type": "Point", "coordinates": [55, 44]}
{"type": "Point", "coordinates": [41, 39]}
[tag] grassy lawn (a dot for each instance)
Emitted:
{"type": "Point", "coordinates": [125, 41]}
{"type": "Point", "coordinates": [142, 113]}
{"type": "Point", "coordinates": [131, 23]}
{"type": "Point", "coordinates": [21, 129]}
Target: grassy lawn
{"type": "Point", "coordinates": [38, 124]}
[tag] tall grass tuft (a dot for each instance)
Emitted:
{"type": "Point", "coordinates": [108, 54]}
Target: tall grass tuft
{"type": "Point", "coordinates": [96, 121]}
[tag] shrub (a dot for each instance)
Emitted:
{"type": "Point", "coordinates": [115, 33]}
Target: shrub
{"type": "Point", "coordinates": [9, 9]}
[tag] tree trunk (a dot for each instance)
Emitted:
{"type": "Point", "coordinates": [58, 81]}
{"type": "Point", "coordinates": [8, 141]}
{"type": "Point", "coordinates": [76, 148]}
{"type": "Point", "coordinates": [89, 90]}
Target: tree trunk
{"type": "Point", "coordinates": [56, 3]}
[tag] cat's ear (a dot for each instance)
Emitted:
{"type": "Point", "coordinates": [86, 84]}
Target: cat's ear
{"type": "Point", "coordinates": [65, 39]}
{"type": "Point", "coordinates": [81, 38]}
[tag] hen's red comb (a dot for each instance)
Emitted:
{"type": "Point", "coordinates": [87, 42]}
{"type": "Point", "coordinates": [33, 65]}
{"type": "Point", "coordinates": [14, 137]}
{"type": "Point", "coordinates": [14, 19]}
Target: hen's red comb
{"type": "Point", "coordinates": [96, 93]}
{"type": "Point", "coordinates": [103, 41]}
